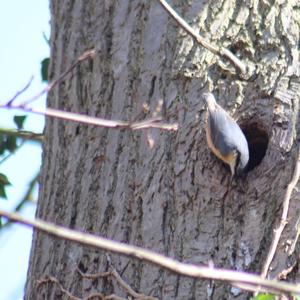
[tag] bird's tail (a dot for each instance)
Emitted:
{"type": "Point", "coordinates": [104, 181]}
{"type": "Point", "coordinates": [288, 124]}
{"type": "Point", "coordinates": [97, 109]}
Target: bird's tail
{"type": "Point", "coordinates": [210, 100]}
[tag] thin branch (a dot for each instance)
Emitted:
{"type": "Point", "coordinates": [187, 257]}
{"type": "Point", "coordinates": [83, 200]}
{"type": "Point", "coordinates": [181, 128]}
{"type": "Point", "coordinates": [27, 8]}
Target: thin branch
{"type": "Point", "coordinates": [28, 195]}
{"type": "Point", "coordinates": [93, 276]}
{"type": "Point", "coordinates": [52, 279]}
{"type": "Point", "coordinates": [50, 112]}
{"type": "Point", "coordinates": [295, 240]}
{"type": "Point", "coordinates": [190, 270]}
{"type": "Point", "coordinates": [146, 124]}
{"type": "Point", "coordinates": [102, 297]}
{"type": "Point", "coordinates": [283, 222]}
{"type": "Point", "coordinates": [128, 288]}
{"type": "Point", "coordinates": [10, 102]}
{"type": "Point", "coordinates": [254, 288]}
{"type": "Point", "coordinates": [10, 154]}
{"type": "Point", "coordinates": [110, 297]}
{"type": "Point", "coordinates": [86, 55]}
{"type": "Point", "coordinates": [46, 39]}
{"type": "Point", "coordinates": [24, 200]}
{"type": "Point", "coordinates": [23, 134]}
{"type": "Point", "coordinates": [222, 52]}
{"type": "Point", "coordinates": [124, 285]}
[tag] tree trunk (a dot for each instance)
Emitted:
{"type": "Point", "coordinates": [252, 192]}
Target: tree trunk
{"type": "Point", "coordinates": [162, 190]}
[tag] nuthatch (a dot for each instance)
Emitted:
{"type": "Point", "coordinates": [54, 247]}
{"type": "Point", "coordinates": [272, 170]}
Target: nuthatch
{"type": "Point", "coordinates": [225, 138]}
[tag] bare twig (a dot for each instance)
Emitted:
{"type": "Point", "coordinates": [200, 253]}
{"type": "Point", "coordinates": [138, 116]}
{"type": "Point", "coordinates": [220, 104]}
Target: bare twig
{"type": "Point", "coordinates": [86, 55]}
{"type": "Point", "coordinates": [10, 102]}
{"type": "Point", "coordinates": [128, 288]}
{"type": "Point", "coordinates": [222, 52]}
{"type": "Point", "coordinates": [145, 124]}
{"type": "Point", "coordinates": [50, 112]}
{"type": "Point", "coordinates": [23, 134]}
{"type": "Point", "coordinates": [10, 154]}
{"type": "Point", "coordinates": [97, 296]}
{"type": "Point", "coordinates": [254, 288]}
{"type": "Point", "coordinates": [190, 270]}
{"type": "Point", "coordinates": [28, 195]}
{"type": "Point", "coordinates": [295, 240]}
{"type": "Point", "coordinates": [112, 297]}
{"type": "Point", "coordinates": [52, 279]}
{"type": "Point", "coordinates": [283, 221]}
{"type": "Point", "coordinates": [24, 200]}
{"type": "Point", "coordinates": [93, 276]}
{"type": "Point", "coordinates": [113, 273]}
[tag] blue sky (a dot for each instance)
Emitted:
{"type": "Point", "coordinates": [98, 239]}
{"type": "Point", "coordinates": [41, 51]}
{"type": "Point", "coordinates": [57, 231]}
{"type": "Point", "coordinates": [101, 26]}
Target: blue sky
{"type": "Point", "coordinates": [23, 47]}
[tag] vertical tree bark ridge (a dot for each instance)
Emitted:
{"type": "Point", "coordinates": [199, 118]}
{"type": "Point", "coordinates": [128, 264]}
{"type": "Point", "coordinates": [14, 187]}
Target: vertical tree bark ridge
{"type": "Point", "coordinates": [171, 197]}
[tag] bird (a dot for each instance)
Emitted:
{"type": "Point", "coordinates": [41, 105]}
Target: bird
{"type": "Point", "coordinates": [225, 137]}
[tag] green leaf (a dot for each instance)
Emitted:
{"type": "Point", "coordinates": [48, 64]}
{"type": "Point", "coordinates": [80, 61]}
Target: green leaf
{"type": "Point", "coordinates": [2, 192]}
{"type": "Point", "coordinates": [44, 68]}
{"type": "Point", "coordinates": [264, 297]}
{"type": "Point", "coordinates": [11, 143]}
{"type": "Point", "coordinates": [2, 144]}
{"type": "Point", "coordinates": [19, 121]}
{"type": "Point", "coordinates": [4, 180]}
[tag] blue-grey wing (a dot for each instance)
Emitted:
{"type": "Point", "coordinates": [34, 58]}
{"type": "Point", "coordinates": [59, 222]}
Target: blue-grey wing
{"type": "Point", "coordinates": [226, 135]}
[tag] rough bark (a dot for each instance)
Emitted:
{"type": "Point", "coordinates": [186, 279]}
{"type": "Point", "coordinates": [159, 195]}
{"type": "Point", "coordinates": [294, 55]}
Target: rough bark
{"type": "Point", "coordinates": [170, 197]}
